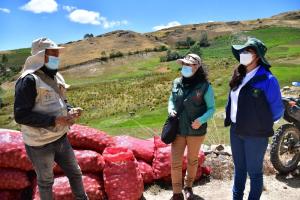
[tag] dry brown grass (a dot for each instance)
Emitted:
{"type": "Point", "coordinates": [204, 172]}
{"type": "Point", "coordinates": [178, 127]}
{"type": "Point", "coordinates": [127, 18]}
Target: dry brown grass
{"type": "Point", "coordinates": [88, 49]}
{"type": "Point", "coordinates": [126, 41]}
{"type": "Point", "coordinates": [214, 29]}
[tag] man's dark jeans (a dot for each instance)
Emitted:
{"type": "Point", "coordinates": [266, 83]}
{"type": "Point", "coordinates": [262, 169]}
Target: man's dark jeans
{"type": "Point", "coordinates": [43, 158]}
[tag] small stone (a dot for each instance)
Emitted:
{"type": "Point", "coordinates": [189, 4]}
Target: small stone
{"type": "Point", "coordinates": [207, 152]}
{"type": "Point", "coordinates": [286, 88]}
{"type": "Point", "coordinates": [220, 147]}
{"type": "Point", "coordinates": [213, 147]}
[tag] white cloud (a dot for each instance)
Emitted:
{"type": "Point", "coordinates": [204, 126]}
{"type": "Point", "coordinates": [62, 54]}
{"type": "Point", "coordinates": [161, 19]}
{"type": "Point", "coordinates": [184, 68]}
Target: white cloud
{"type": "Point", "coordinates": [110, 24]}
{"type": "Point", "coordinates": [85, 17]}
{"type": "Point", "coordinates": [40, 6]}
{"type": "Point", "coordinates": [5, 10]}
{"type": "Point", "coordinates": [94, 18]}
{"type": "Point", "coordinates": [69, 8]}
{"type": "Point", "coordinates": [169, 25]}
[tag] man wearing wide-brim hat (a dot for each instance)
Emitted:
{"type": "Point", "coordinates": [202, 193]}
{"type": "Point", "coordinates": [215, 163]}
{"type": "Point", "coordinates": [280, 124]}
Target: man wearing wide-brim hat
{"type": "Point", "coordinates": [45, 117]}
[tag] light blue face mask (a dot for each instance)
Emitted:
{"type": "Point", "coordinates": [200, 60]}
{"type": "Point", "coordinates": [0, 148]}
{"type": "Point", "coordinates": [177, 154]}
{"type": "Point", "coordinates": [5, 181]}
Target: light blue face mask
{"type": "Point", "coordinates": [187, 71]}
{"type": "Point", "coordinates": [53, 63]}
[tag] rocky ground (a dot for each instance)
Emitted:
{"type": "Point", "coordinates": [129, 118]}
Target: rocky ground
{"type": "Point", "coordinates": [276, 188]}
{"type": "Point", "coordinates": [218, 185]}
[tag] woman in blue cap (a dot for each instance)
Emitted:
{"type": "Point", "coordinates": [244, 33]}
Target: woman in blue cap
{"type": "Point", "coordinates": [254, 104]}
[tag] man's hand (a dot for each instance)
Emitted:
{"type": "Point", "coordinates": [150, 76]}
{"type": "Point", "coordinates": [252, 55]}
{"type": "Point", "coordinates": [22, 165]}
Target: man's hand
{"type": "Point", "coordinates": [64, 120]}
{"type": "Point", "coordinates": [196, 124]}
{"type": "Point", "coordinates": [76, 112]}
{"type": "Point", "coordinates": [172, 113]}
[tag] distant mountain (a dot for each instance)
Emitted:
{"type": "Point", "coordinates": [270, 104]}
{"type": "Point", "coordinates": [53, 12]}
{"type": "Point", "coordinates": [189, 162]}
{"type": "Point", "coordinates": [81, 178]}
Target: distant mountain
{"type": "Point", "coordinates": [129, 41]}
{"type": "Point", "coordinates": [294, 15]}
{"type": "Point", "coordinates": [125, 41]}
{"type": "Point", "coordinates": [214, 29]}
{"type": "Point", "coordinates": [103, 45]}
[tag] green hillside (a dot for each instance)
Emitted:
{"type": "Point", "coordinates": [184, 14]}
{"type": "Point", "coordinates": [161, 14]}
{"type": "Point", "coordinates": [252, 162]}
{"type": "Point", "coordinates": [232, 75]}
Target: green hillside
{"type": "Point", "coordinates": [131, 98]}
{"type": "Point", "coordinates": [15, 61]}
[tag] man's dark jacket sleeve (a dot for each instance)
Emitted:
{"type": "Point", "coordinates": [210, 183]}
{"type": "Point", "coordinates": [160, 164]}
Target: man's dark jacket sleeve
{"type": "Point", "coordinates": [25, 94]}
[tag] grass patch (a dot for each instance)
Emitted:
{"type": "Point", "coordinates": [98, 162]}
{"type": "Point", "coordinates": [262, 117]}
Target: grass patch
{"type": "Point", "coordinates": [286, 74]}
{"type": "Point", "coordinates": [136, 86]}
{"type": "Point", "coordinates": [142, 124]}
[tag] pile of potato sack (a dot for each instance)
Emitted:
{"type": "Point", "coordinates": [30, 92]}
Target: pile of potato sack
{"type": "Point", "coordinates": [114, 168]}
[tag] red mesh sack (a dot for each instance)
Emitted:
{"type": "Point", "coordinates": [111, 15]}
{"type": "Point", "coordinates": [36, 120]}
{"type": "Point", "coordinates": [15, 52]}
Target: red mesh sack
{"type": "Point", "coordinates": [12, 151]}
{"type": "Point", "coordinates": [84, 137]}
{"type": "Point", "coordinates": [13, 179]}
{"type": "Point", "coordinates": [146, 171]}
{"type": "Point", "coordinates": [157, 142]}
{"type": "Point", "coordinates": [142, 149]}
{"type": "Point", "coordinates": [62, 191]}
{"type": "Point", "coordinates": [201, 158]}
{"type": "Point", "coordinates": [89, 162]}
{"type": "Point", "coordinates": [206, 170]}
{"type": "Point", "coordinates": [122, 178]}
{"type": "Point", "coordinates": [199, 173]}
{"type": "Point", "coordinates": [162, 160]}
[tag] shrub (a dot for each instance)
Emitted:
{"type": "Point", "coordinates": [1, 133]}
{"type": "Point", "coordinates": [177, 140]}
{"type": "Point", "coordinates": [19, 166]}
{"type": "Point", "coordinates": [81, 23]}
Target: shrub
{"type": "Point", "coordinates": [116, 54]}
{"type": "Point", "coordinates": [163, 59]}
{"type": "Point", "coordinates": [4, 58]}
{"type": "Point", "coordinates": [185, 43]}
{"type": "Point", "coordinates": [104, 59]}
{"type": "Point", "coordinates": [148, 50]}
{"type": "Point", "coordinates": [190, 41]}
{"type": "Point", "coordinates": [204, 40]}
{"type": "Point", "coordinates": [103, 53]}
{"type": "Point", "coordinates": [171, 55]}
{"type": "Point", "coordinates": [88, 36]}
{"type": "Point", "coordinates": [162, 48]}
{"type": "Point", "coordinates": [181, 44]}
{"type": "Point", "coordinates": [196, 48]}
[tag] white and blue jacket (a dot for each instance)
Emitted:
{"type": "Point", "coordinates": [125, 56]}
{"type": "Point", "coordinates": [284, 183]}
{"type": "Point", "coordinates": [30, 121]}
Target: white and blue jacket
{"type": "Point", "coordinates": [259, 105]}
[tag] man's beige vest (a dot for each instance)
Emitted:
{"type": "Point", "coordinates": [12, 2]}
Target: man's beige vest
{"type": "Point", "coordinates": [50, 102]}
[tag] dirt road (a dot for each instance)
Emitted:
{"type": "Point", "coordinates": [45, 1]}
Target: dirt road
{"type": "Point", "coordinates": [276, 188]}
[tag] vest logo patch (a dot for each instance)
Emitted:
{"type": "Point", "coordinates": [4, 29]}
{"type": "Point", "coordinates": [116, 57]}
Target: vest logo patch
{"type": "Point", "coordinates": [48, 96]}
{"type": "Point", "coordinates": [198, 96]}
{"type": "Point", "coordinates": [256, 93]}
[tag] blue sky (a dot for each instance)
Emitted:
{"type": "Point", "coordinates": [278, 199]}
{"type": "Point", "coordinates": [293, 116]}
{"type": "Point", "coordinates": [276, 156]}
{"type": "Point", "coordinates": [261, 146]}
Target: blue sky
{"type": "Point", "coordinates": [65, 20]}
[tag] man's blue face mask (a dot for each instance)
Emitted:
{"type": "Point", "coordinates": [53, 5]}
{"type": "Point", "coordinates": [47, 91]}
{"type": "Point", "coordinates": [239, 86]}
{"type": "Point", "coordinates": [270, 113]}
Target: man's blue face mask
{"type": "Point", "coordinates": [53, 63]}
{"type": "Point", "coordinates": [186, 71]}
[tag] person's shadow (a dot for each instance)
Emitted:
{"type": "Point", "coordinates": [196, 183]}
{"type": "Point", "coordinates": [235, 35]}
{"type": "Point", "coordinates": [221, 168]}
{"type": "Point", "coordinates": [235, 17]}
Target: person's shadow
{"type": "Point", "coordinates": [202, 181]}
{"type": "Point", "coordinates": [196, 197]}
{"type": "Point", "coordinates": [292, 179]}
{"type": "Point", "coordinates": [168, 186]}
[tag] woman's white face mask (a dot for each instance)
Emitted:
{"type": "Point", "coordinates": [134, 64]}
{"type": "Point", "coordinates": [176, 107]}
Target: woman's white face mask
{"type": "Point", "coordinates": [246, 58]}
